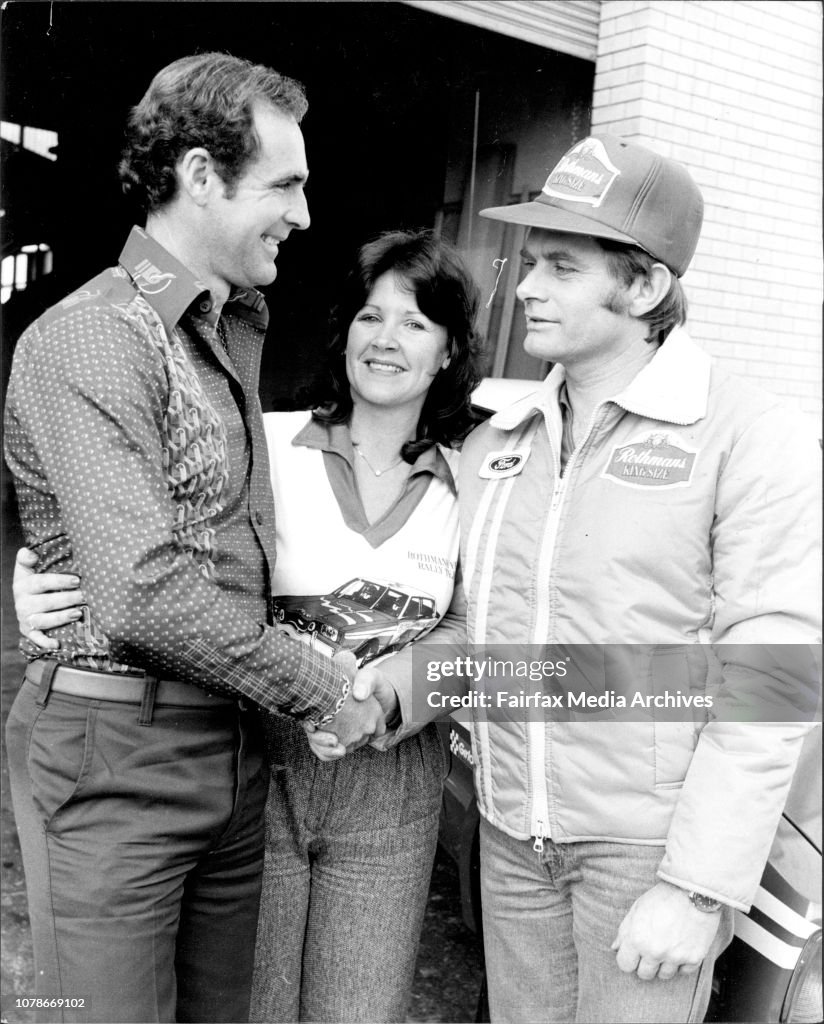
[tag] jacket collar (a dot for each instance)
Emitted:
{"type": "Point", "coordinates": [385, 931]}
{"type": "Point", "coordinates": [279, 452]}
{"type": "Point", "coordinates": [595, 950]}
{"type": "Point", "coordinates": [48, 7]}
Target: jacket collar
{"type": "Point", "coordinates": [170, 289]}
{"type": "Point", "coordinates": [335, 437]}
{"type": "Point", "coordinates": [673, 387]}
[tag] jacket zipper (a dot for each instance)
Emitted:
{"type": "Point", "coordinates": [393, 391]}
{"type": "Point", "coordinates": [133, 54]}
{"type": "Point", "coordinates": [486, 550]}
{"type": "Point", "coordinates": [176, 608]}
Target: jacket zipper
{"type": "Point", "coordinates": [539, 817]}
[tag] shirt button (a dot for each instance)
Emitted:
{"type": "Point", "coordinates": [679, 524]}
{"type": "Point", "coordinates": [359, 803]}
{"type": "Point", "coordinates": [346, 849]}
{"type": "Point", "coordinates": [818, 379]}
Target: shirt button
{"type": "Point", "coordinates": [259, 518]}
{"type": "Point", "coordinates": [205, 306]}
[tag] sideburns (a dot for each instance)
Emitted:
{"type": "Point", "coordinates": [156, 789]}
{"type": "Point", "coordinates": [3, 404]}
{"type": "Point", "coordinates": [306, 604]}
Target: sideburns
{"type": "Point", "coordinates": [616, 301]}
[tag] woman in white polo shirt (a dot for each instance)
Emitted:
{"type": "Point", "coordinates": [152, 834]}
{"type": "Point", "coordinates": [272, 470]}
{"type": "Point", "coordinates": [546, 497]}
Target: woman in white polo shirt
{"type": "Point", "coordinates": [367, 545]}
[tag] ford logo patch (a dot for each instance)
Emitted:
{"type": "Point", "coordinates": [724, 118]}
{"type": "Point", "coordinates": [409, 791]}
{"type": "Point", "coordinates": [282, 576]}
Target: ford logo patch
{"type": "Point", "coordinates": [505, 462]}
{"type": "Point", "coordinates": [501, 464]}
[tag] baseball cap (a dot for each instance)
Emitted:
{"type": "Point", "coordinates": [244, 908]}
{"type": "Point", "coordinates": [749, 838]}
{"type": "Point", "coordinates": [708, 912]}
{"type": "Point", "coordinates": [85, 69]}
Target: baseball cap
{"type": "Point", "coordinates": [607, 187]}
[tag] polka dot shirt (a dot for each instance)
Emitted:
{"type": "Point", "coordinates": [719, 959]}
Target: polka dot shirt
{"type": "Point", "coordinates": [135, 437]}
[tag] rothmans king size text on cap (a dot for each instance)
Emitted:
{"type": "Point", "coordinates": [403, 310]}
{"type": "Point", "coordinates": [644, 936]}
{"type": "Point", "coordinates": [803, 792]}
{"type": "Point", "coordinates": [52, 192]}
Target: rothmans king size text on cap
{"type": "Point", "coordinates": [607, 187]}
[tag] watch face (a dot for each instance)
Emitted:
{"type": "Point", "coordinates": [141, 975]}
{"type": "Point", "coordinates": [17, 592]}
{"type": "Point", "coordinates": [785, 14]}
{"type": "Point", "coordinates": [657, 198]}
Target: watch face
{"type": "Point", "coordinates": [704, 903]}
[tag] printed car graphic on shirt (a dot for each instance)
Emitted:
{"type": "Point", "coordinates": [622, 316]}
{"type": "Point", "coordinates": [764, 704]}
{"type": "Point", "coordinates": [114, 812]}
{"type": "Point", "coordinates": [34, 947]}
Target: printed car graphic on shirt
{"type": "Point", "coordinates": [362, 616]}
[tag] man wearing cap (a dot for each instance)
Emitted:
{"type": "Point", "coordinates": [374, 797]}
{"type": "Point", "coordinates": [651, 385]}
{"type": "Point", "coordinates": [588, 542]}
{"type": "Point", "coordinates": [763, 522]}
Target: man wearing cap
{"type": "Point", "coordinates": [639, 497]}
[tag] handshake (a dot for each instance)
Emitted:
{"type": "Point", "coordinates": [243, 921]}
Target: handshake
{"type": "Point", "coordinates": [370, 705]}
{"type": "Point", "coordinates": [47, 600]}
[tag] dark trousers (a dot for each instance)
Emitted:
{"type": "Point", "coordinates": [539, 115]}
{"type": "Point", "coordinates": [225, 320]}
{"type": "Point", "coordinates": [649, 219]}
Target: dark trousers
{"type": "Point", "coordinates": [143, 850]}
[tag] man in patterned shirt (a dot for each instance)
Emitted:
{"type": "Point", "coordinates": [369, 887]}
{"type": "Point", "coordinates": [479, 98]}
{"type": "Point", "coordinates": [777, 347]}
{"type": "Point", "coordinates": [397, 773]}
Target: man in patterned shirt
{"type": "Point", "coordinates": [135, 436]}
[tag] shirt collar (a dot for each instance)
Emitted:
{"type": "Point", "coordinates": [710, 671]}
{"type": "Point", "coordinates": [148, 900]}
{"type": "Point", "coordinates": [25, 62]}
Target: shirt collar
{"type": "Point", "coordinates": [673, 387]}
{"type": "Point", "coordinates": [335, 437]}
{"type": "Point", "coordinates": [170, 288]}
{"type": "Point", "coordinates": [563, 399]}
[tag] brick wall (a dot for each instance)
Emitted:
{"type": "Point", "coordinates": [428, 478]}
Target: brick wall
{"type": "Point", "coordinates": [733, 89]}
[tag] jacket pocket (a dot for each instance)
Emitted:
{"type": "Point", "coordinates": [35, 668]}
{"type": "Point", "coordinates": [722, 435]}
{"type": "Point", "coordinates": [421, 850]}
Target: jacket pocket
{"type": "Point", "coordinates": [675, 676]}
{"type": "Point", "coordinates": [674, 745]}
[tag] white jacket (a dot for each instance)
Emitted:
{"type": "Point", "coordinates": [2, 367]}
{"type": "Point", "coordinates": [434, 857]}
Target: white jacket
{"type": "Point", "coordinates": [689, 512]}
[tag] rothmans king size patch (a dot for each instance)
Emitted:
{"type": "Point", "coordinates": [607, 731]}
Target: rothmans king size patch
{"type": "Point", "coordinates": [655, 460]}
{"type": "Point", "coordinates": [584, 175]}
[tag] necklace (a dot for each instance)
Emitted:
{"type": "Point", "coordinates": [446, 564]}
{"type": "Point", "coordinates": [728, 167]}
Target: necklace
{"type": "Point", "coordinates": [376, 472]}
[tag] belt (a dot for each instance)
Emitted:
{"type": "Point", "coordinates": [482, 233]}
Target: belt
{"type": "Point", "coordinates": [122, 687]}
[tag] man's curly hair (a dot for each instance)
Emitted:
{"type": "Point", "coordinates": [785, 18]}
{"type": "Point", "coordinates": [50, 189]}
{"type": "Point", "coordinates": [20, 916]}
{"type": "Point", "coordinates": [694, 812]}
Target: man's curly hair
{"type": "Point", "coordinates": [206, 100]}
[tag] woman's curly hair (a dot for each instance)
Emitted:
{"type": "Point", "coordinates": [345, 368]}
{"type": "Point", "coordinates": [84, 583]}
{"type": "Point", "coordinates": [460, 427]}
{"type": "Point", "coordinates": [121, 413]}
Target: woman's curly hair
{"type": "Point", "coordinates": [206, 100]}
{"type": "Point", "coordinates": [445, 292]}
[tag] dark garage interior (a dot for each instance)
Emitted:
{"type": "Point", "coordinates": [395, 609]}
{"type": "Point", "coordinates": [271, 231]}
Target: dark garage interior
{"type": "Point", "coordinates": [391, 89]}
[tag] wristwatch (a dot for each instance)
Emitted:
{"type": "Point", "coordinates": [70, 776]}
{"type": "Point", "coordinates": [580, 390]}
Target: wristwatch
{"type": "Point", "coordinates": [706, 904]}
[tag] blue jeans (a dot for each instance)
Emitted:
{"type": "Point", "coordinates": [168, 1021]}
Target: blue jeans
{"type": "Point", "coordinates": [143, 849]}
{"type": "Point", "coordinates": [549, 920]}
{"type": "Point", "coordinates": [349, 851]}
